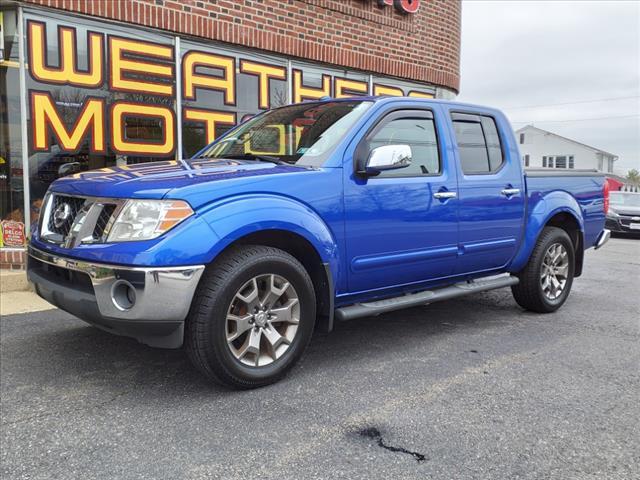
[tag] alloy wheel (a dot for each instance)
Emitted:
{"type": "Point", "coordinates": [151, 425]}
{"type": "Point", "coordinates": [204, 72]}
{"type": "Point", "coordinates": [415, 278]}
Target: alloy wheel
{"type": "Point", "coordinates": [262, 320]}
{"type": "Point", "coordinates": [555, 271]}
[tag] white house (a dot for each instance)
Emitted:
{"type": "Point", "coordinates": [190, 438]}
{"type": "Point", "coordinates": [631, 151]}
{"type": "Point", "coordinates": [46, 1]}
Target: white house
{"type": "Point", "coordinates": [542, 149]}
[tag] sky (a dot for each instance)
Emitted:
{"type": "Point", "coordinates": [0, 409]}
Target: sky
{"type": "Point", "coordinates": [570, 67]}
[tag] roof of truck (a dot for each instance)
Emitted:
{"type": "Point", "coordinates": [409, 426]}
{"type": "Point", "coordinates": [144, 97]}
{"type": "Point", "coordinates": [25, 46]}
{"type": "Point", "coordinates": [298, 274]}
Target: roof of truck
{"type": "Point", "coordinates": [371, 98]}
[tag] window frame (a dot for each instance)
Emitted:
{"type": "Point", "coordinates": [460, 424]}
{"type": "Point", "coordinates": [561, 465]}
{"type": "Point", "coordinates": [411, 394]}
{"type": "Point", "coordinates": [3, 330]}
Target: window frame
{"type": "Point", "coordinates": [566, 161]}
{"type": "Point", "coordinates": [389, 116]}
{"type": "Point", "coordinates": [505, 159]}
{"type": "Point", "coordinates": [551, 161]}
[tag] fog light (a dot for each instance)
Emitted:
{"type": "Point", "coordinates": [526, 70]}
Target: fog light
{"type": "Point", "coordinates": [123, 295]}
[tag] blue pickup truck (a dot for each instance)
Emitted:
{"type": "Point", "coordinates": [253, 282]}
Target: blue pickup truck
{"type": "Point", "coordinates": [309, 214]}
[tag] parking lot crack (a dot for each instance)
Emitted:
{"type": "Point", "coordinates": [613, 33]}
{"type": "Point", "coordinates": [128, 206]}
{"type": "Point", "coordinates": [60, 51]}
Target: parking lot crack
{"type": "Point", "coordinates": [374, 434]}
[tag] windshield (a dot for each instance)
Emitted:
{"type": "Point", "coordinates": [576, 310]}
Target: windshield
{"type": "Point", "coordinates": [625, 199]}
{"type": "Point", "coordinates": [304, 133]}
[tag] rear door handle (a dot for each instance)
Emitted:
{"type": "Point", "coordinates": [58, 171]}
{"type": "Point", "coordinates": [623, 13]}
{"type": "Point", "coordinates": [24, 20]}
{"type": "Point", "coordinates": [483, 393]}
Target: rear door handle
{"type": "Point", "coordinates": [508, 192]}
{"type": "Point", "coordinates": [444, 195]}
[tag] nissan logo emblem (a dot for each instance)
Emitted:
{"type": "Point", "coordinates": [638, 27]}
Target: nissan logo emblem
{"type": "Point", "coordinates": [61, 214]}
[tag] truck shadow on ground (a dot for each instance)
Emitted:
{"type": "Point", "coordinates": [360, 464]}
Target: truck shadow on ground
{"type": "Point", "coordinates": [67, 347]}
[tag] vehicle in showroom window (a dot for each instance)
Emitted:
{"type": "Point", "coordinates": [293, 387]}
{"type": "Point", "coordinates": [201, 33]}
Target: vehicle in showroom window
{"type": "Point", "coordinates": [309, 213]}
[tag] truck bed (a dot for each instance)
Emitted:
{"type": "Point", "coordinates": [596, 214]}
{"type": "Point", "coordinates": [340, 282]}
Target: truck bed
{"type": "Point", "coordinates": [550, 189]}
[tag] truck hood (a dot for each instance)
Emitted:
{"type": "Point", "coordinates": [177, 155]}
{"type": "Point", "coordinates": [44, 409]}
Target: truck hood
{"type": "Point", "coordinates": [155, 180]}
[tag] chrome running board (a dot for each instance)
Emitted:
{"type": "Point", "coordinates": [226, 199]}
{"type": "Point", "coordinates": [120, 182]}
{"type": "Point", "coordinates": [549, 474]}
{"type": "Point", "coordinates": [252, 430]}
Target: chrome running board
{"type": "Point", "coordinates": [369, 309]}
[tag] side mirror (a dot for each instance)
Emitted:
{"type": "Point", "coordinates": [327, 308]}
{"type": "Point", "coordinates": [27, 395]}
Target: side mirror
{"type": "Point", "coordinates": [388, 157]}
{"type": "Point", "coordinates": [68, 168]}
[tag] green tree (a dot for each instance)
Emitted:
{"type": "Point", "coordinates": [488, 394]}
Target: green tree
{"type": "Point", "coordinates": [633, 176]}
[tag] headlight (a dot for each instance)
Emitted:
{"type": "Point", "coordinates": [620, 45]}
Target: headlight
{"type": "Point", "coordinates": [612, 213]}
{"type": "Point", "coordinates": [147, 219]}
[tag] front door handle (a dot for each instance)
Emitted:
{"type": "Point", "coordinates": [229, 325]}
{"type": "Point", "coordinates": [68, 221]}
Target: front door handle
{"type": "Point", "coordinates": [444, 195]}
{"type": "Point", "coordinates": [509, 192]}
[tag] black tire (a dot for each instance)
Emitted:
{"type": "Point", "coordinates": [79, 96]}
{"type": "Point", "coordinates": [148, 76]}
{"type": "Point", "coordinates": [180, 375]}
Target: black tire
{"type": "Point", "coordinates": [529, 293]}
{"type": "Point", "coordinates": [206, 330]}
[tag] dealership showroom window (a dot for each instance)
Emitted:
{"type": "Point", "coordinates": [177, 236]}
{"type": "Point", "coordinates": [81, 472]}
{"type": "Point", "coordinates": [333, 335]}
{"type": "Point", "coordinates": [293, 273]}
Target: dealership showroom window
{"type": "Point", "coordinates": [96, 94]}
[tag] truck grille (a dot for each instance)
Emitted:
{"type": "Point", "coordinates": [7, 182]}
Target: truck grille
{"type": "Point", "coordinates": [66, 216]}
{"type": "Point", "coordinates": [626, 220]}
{"type": "Point", "coordinates": [64, 227]}
{"type": "Point", "coordinates": [103, 221]}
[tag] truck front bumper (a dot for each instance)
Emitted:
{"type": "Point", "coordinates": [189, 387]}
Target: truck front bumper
{"type": "Point", "coordinates": [147, 303]}
{"type": "Point", "coordinates": [622, 225]}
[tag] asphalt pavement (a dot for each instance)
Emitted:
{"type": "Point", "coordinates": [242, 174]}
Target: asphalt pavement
{"type": "Point", "coordinates": [474, 388]}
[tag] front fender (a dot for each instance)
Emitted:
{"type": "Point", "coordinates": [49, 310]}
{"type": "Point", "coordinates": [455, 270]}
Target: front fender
{"type": "Point", "coordinates": [542, 210]}
{"type": "Point", "coordinates": [236, 217]}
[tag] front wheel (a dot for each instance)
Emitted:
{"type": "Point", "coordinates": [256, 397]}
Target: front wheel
{"type": "Point", "coordinates": [545, 282]}
{"type": "Point", "coordinates": [252, 317]}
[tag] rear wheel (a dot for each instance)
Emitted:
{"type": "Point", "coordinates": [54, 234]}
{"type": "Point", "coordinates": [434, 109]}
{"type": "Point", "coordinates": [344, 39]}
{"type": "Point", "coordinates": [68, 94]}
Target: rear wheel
{"type": "Point", "coordinates": [252, 317]}
{"type": "Point", "coordinates": [546, 280]}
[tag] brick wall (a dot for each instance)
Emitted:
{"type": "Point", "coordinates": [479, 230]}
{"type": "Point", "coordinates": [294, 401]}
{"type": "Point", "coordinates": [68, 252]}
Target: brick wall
{"type": "Point", "coordinates": [353, 33]}
{"type": "Point", "coordinates": [12, 259]}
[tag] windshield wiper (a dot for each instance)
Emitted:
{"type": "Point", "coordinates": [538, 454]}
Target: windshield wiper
{"type": "Point", "coordinates": [251, 156]}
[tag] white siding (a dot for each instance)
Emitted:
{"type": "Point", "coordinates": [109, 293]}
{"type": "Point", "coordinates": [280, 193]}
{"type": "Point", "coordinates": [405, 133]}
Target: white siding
{"type": "Point", "coordinates": [538, 144]}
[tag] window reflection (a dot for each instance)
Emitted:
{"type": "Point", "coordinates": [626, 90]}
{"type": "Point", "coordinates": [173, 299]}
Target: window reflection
{"type": "Point", "coordinates": [11, 174]}
{"type": "Point", "coordinates": [229, 86]}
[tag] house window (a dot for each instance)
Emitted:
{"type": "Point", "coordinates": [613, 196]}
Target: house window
{"type": "Point", "coordinates": [558, 161]}
{"type": "Point", "coordinates": [526, 160]}
{"type": "Point", "coordinates": [521, 138]}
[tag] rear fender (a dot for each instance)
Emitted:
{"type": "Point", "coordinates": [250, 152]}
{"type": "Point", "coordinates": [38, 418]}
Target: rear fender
{"type": "Point", "coordinates": [541, 211]}
{"type": "Point", "coordinates": [236, 217]}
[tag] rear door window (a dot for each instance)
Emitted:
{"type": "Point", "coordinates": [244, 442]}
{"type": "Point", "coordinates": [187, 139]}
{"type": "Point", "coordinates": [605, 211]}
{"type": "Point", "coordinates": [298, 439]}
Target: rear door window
{"type": "Point", "coordinates": [478, 143]}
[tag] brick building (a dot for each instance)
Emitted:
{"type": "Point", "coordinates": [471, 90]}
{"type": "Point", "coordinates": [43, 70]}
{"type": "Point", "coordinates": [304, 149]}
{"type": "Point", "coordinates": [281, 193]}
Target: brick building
{"type": "Point", "coordinates": [91, 84]}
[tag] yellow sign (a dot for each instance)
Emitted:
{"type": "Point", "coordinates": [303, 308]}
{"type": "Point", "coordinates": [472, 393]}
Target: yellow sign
{"type": "Point", "coordinates": [1, 37]}
{"type": "Point", "coordinates": [146, 69]}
